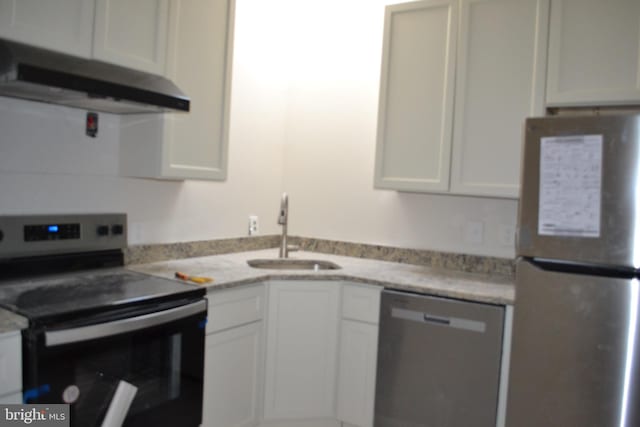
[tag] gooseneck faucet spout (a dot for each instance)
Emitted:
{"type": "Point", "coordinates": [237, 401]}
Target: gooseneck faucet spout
{"type": "Point", "coordinates": [283, 218]}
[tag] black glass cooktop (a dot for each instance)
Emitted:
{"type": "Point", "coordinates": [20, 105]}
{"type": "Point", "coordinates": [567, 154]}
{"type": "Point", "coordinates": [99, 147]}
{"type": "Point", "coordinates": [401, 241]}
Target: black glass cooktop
{"type": "Point", "coordinates": [90, 291]}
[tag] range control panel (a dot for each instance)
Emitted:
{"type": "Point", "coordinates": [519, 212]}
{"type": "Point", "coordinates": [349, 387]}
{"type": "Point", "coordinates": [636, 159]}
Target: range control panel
{"type": "Point", "coordinates": [35, 233]}
{"type": "Point", "coordinates": [52, 234]}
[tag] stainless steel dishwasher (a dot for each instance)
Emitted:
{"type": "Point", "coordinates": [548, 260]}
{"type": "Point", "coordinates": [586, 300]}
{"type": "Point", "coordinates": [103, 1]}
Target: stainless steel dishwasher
{"type": "Point", "coordinates": [438, 362]}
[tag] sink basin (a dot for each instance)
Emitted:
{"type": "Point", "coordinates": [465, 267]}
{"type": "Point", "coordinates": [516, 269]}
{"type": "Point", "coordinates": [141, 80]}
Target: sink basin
{"type": "Point", "coordinates": [293, 264]}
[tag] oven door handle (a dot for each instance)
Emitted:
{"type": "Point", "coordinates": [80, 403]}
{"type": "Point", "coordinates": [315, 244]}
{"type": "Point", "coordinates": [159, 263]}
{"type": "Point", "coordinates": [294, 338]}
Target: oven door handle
{"type": "Point", "coordinates": [102, 330]}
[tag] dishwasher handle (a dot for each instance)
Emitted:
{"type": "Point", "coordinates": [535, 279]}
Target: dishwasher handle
{"type": "Point", "coordinates": [436, 319]}
{"type": "Point", "coordinates": [451, 322]}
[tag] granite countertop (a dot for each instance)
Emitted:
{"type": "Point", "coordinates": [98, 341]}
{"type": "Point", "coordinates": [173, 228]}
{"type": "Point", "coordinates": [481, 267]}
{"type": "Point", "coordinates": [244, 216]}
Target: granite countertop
{"type": "Point", "coordinates": [231, 270]}
{"type": "Point", "coordinates": [10, 321]}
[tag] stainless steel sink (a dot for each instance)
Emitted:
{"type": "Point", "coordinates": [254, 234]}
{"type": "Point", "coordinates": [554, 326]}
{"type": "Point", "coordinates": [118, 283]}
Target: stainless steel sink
{"type": "Point", "coordinates": [293, 264]}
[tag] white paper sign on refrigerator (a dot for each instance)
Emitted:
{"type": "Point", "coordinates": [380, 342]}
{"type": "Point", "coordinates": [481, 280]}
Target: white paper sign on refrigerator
{"type": "Point", "coordinates": [570, 186]}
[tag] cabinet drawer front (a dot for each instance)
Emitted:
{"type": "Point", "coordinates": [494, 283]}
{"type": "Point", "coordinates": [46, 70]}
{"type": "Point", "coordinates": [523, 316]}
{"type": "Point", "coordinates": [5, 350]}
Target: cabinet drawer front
{"type": "Point", "coordinates": [10, 363]}
{"type": "Point", "coordinates": [361, 302]}
{"type": "Point", "coordinates": [234, 307]}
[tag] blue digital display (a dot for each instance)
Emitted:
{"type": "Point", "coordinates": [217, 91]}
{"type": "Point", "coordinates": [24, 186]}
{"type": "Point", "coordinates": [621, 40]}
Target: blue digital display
{"type": "Point", "coordinates": [52, 228]}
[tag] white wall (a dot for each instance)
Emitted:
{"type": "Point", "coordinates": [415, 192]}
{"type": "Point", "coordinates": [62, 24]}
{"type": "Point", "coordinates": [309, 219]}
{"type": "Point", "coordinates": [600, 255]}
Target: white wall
{"type": "Point", "coordinates": [47, 165]}
{"type": "Point", "coordinates": [303, 119]}
{"type": "Point", "coordinates": [334, 71]}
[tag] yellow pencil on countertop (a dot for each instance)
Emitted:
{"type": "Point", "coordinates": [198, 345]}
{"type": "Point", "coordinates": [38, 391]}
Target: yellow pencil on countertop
{"type": "Point", "coordinates": [194, 279]}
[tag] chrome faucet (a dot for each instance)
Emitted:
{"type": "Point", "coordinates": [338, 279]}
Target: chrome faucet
{"type": "Point", "coordinates": [283, 219]}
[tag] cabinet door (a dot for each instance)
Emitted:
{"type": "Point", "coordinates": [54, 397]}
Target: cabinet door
{"type": "Point", "coordinates": [357, 372]}
{"type": "Point", "coordinates": [500, 75]}
{"type": "Point", "coordinates": [192, 145]}
{"type": "Point", "coordinates": [302, 336]}
{"type": "Point", "coordinates": [197, 142]}
{"type": "Point", "coordinates": [12, 399]}
{"type": "Point", "coordinates": [62, 25]}
{"type": "Point", "coordinates": [132, 34]}
{"type": "Point", "coordinates": [10, 363]}
{"type": "Point", "coordinates": [416, 96]}
{"type": "Point", "coordinates": [594, 52]}
{"type": "Point", "coordinates": [233, 377]}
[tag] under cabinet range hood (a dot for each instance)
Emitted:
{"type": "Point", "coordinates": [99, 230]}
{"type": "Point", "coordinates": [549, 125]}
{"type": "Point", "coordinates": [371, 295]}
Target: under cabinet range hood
{"type": "Point", "coordinates": [37, 74]}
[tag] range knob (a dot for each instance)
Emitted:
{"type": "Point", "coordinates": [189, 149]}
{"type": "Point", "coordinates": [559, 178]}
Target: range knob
{"type": "Point", "coordinates": [117, 229]}
{"type": "Point", "coordinates": [102, 230]}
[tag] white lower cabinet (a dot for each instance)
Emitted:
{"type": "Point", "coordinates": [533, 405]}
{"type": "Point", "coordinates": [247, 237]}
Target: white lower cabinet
{"type": "Point", "coordinates": [357, 373]}
{"type": "Point", "coordinates": [358, 354]}
{"type": "Point", "coordinates": [232, 377]}
{"type": "Point", "coordinates": [10, 367]}
{"type": "Point", "coordinates": [234, 358]}
{"type": "Point", "coordinates": [11, 399]}
{"type": "Point", "coordinates": [302, 340]}
{"type": "Point", "coordinates": [298, 353]}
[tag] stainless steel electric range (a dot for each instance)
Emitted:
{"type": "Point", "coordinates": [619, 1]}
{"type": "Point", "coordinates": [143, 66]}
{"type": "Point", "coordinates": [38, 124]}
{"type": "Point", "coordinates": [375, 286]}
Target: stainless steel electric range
{"type": "Point", "coordinates": [120, 347]}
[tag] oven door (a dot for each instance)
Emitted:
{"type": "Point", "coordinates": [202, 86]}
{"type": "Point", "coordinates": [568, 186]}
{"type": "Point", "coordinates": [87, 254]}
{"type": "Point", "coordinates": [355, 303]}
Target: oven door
{"type": "Point", "coordinates": [144, 369]}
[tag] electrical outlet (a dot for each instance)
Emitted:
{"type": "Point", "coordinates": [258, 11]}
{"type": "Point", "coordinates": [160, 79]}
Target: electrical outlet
{"type": "Point", "coordinates": [253, 225]}
{"type": "Point", "coordinates": [474, 232]}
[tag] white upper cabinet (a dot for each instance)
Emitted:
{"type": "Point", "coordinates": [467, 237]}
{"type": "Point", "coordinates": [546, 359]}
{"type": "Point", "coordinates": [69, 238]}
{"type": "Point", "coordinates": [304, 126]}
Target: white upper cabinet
{"type": "Point", "coordinates": [499, 82]}
{"type": "Point", "coordinates": [189, 42]}
{"type": "Point", "coordinates": [594, 53]}
{"type": "Point", "coordinates": [128, 33]}
{"type": "Point", "coordinates": [62, 25]}
{"type": "Point", "coordinates": [416, 96]}
{"type": "Point", "coordinates": [192, 145]}
{"type": "Point", "coordinates": [202, 40]}
{"type": "Point", "coordinates": [132, 33]}
{"type": "Point", "coordinates": [459, 78]}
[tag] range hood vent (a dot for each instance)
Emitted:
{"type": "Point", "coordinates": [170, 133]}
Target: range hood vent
{"type": "Point", "coordinates": [41, 75]}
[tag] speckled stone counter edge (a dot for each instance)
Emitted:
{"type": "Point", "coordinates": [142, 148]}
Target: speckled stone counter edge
{"type": "Point", "coordinates": [142, 254]}
{"type": "Point", "coordinates": [426, 258]}
{"type": "Point", "coordinates": [10, 321]}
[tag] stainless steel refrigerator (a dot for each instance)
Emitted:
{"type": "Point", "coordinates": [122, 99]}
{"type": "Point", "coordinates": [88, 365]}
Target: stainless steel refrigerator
{"type": "Point", "coordinates": [575, 360]}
